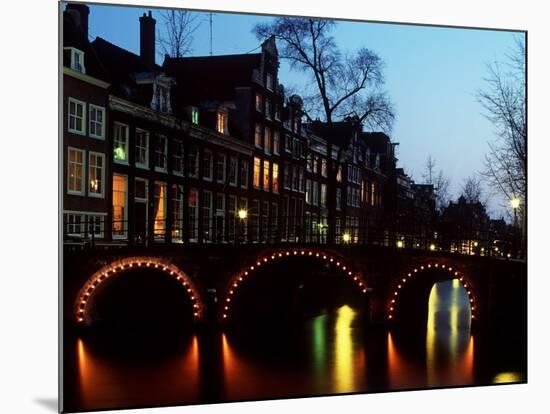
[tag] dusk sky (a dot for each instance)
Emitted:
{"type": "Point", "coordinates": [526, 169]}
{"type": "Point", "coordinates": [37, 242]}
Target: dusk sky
{"type": "Point", "coordinates": [432, 76]}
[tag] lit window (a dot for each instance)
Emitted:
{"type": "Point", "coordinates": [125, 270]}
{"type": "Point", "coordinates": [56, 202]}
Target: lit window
{"type": "Point", "coordinates": [207, 165]}
{"type": "Point", "coordinates": [120, 144]}
{"type": "Point", "coordinates": [77, 116]}
{"type": "Point", "coordinates": [75, 171]}
{"type": "Point", "coordinates": [120, 211]}
{"type": "Point", "coordinates": [266, 175]}
{"type": "Point", "coordinates": [178, 157]}
{"type": "Point", "coordinates": [275, 177]}
{"type": "Point", "coordinates": [142, 148]}
{"type": "Point", "coordinates": [97, 121]}
{"type": "Point", "coordinates": [177, 212]}
{"type": "Point", "coordinates": [257, 173]}
{"type": "Point", "coordinates": [159, 213]}
{"type": "Point", "coordinates": [161, 154]}
{"type": "Point", "coordinates": [195, 115]}
{"type": "Point", "coordinates": [339, 174]}
{"type": "Point", "coordinates": [221, 125]}
{"type": "Point", "coordinates": [96, 174]}
{"type": "Point", "coordinates": [141, 190]}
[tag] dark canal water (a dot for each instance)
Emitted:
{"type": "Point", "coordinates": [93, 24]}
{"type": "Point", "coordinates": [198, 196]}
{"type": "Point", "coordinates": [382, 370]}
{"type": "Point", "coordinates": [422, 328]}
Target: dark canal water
{"type": "Point", "coordinates": [326, 351]}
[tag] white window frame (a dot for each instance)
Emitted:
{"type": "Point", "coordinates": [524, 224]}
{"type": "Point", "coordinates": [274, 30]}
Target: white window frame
{"type": "Point", "coordinates": [116, 139]}
{"type": "Point", "coordinates": [210, 175]}
{"type": "Point", "coordinates": [247, 173]}
{"type": "Point", "coordinates": [164, 152]}
{"type": "Point", "coordinates": [125, 217]}
{"type": "Point", "coordinates": [181, 158]}
{"type": "Point", "coordinates": [101, 109]}
{"type": "Point", "coordinates": [276, 148]}
{"type": "Point", "coordinates": [77, 56]}
{"type": "Point", "coordinates": [102, 218]}
{"type": "Point", "coordinates": [102, 178]}
{"type": "Point", "coordinates": [81, 225]}
{"type": "Point", "coordinates": [222, 120]}
{"type": "Point", "coordinates": [76, 102]}
{"type": "Point", "coordinates": [144, 166]}
{"type": "Point", "coordinates": [233, 179]}
{"type": "Point", "coordinates": [223, 177]}
{"type": "Point", "coordinates": [258, 136]}
{"type": "Point", "coordinates": [143, 200]}
{"type": "Point", "coordinates": [83, 178]}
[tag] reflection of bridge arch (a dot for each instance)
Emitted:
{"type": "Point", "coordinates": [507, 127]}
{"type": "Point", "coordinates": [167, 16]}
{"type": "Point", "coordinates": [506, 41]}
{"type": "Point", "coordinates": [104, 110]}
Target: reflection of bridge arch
{"type": "Point", "coordinates": [401, 283]}
{"type": "Point", "coordinates": [272, 256]}
{"type": "Point", "coordinates": [107, 272]}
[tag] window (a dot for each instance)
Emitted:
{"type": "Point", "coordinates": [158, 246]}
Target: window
{"type": "Point", "coordinates": [295, 177]}
{"type": "Point", "coordinates": [258, 136]}
{"type": "Point", "coordinates": [159, 211]}
{"type": "Point", "coordinates": [274, 221]}
{"type": "Point", "coordinates": [315, 164]}
{"type": "Point", "coordinates": [372, 194]}
{"type": "Point", "coordinates": [315, 194]}
{"type": "Point", "coordinates": [233, 171]}
{"type": "Point", "coordinates": [75, 224]}
{"type": "Point", "coordinates": [257, 172]}
{"type": "Point", "coordinates": [120, 143]}
{"type": "Point", "coordinates": [177, 157]}
{"type": "Point", "coordinates": [220, 168]}
{"type": "Point", "coordinates": [264, 223]}
{"type": "Point", "coordinates": [308, 191]}
{"type": "Point", "coordinates": [301, 179]}
{"type": "Point", "coordinates": [97, 121]}
{"type": "Point", "coordinates": [309, 163]}
{"type": "Point", "coordinates": [323, 195]}
{"type": "Point", "coordinates": [161, 154]}
{"type": "Point", "coordinates": [243, 225]}
{"type": "Point", "coordinates": [219, 217]}
{"type": "Point", "coordinates": [77, 116]}
{"type": "Point", "coordinates": [207, 165]}
{"type": "Point", "coordinates": [267, 141]}
{"type": "Point", "coordinates": [96, 225]}
{"type": "Point", "coordinates": [221, 125]}
{"type": "Point", "coordinates": [231, 213]}
{"type": "Point", "coordinates": [77, 60]}
{"type": "Point", "coordinates": [75, 171]}
{"type": "Point", "coordinates": [193, 162]}
{"type": "Point", "coordinates": [267, 108]}
{"type": "Point", "coordinates": [286, 176]}
{"type": "Point", "coordinates": [141, 195]}
{"type": "Point", "coordinates": [275, 177]}
{"type": "Point", "coordinates": [254, 221]}
{"type": "Point", "coordinates": [195, 115]}
{"type": "Point", "coordinates": [339, 174]}
{"type": "Point", "coordinates": [207, 215]}
{"type": "Point", "coordinates": [161, 98]}
{"type": "Point", "coordinates": [259, 102]}
{"type": "Point", "coordinates": [96, 174]}
{"type": "Point", "coordinates": [244, 174]}
{"type": "Point", "coordinates": [324, 171]}
{"type": "Point", "coordinates": [142, 148]}
{"type": "Point", "coordinates": [266, 175]}
{"type": "Point", "coordinates": [276, 142]}
{"type": "Point", "coordinates": [269, 81]}
{"type": "Point", "coordinates": [277, 112]}
{"type": "Point", "coordinates": [288, 143]}
{"type": "Point", "coordinates": [193, 211]}
{"type": "Point", "coordinates": [177, 213]}
{"type": "Point", "coordinates": [120, 211]}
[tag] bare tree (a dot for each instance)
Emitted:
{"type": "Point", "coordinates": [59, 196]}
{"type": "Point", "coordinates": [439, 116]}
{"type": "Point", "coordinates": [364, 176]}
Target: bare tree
{"type": "Point", "coordinates": [177, 37]}
{"type": "Point", "coordinates": [341, 84]}
{"type": "Point", "coordinates": [440, 182]}
{"type": "Point", "coordinates": [472, 190]}
{"type": "Point", "coordinates": [504, 103]}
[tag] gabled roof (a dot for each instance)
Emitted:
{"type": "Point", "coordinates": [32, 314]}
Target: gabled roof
{"type": "Point", "coordinates": [338, 133]}
{"type": "Point", "coordinates": [211, 77]}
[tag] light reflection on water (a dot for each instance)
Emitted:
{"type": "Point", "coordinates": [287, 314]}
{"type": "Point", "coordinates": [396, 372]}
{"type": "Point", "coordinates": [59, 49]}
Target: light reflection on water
{"type": "Point", "coordinates": [332, 353]}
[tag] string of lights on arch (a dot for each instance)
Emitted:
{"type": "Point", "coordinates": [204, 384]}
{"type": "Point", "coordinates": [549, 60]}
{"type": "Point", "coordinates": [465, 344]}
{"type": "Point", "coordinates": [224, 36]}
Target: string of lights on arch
{"type": "Point", "coordinates": [401, 283]}
{"type": "Point", "coordinates": [109, 271]}
{"type": "Point", "coordinates": [247, 272]}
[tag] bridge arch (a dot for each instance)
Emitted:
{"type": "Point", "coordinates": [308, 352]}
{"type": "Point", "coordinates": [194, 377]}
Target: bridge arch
{"type": "Point", "coordinates": [115, 268]}
{"type": "Point", "coordinates": [400, 284]}
{"type": "Point", "coordinates": [272, 256]}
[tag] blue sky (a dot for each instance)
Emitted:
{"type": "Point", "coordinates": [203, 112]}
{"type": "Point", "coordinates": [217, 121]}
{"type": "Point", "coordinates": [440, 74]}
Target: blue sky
{"type": "Point", "coordinates": [432, 75]}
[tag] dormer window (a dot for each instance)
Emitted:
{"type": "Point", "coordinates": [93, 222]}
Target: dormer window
{"type": "Point", "coordinates": [221, 124]}
{"type": "Point", "coordinates": [269, 81]}
{"type": "Point", "coordinates": [161, 98]}
{"type": "Point", "coordinates": [77, 60]}
{"type": "Point", "coordinates": [195, 115]}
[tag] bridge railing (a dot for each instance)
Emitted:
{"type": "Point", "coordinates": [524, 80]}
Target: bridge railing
{"type": "Point", "coordinates": [256, 229]}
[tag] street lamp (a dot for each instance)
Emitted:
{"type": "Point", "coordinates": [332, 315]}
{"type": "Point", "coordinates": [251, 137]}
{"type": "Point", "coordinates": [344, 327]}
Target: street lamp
{"type": "Point", "coordinates": [243, 214]}
{"type": "Point", "coordinates": [432, 247]}
{"type": "Point", "coordinates": [400, 244]}
{"type": "Point", "coordinates": [514, 202]}
{"type": "Point", "coordinates": [346, 237]}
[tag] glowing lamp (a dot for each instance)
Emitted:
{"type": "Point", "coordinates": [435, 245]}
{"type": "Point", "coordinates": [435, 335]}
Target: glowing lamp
{"type": "Point", "coordinates": [243, 214]}
{"type": "Point", "coordinates": [432, 247]}
{"type": "Point", "coordinates": [346, 237]}
{"type": "Point", "coordinates": [400, 244]}
{"type": "Point", "coordinates": [514, 202]}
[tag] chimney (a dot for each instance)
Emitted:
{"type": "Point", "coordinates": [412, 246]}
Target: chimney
{"type": "Point", "coordinates": [80, 13]}
{"type": "Point", "coordinates": [147, 39]}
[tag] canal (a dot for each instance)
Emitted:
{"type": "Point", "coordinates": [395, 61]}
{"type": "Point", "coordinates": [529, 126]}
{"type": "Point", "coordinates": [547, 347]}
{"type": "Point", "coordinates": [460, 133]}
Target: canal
{"type": "Point", "coordinates": [326, 350]}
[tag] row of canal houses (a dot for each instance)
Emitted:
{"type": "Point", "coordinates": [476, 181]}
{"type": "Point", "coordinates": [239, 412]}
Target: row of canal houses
{"type": "Point", "coordinates": [207, 149]}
